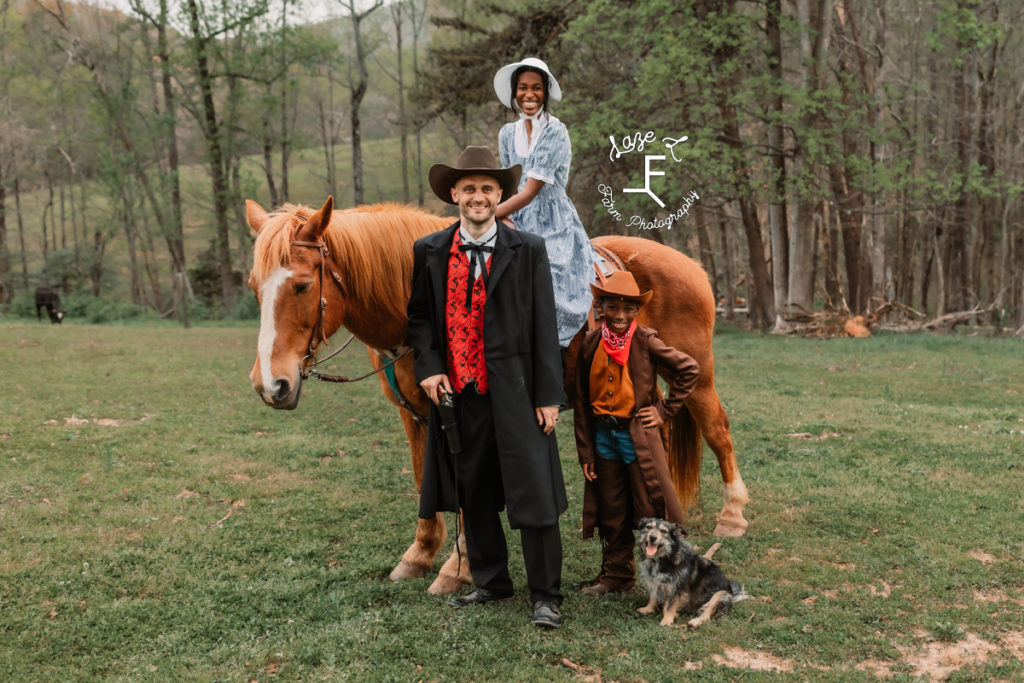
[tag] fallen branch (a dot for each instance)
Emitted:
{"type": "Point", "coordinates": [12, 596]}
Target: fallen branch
{"type": "Point", "coordinates": [842, 323]}
{"type": "Point", "coordinates": [949, 321]}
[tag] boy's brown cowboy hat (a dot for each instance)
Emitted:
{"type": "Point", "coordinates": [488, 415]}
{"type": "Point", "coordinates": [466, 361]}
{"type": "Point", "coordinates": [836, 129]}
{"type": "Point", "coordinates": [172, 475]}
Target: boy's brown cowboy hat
{"type": "Point", "coordinates": [474, 161]}
{"type": "Point", "coordinates": [621, 285]}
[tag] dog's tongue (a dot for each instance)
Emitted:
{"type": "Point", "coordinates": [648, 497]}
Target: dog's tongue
{"type": "Point", "coordinates": [651, 549]}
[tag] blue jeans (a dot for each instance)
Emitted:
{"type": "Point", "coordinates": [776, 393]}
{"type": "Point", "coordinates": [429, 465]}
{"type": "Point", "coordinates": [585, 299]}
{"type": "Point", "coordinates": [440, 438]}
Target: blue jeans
{"type": "Point", "coordinates": [613, 444]}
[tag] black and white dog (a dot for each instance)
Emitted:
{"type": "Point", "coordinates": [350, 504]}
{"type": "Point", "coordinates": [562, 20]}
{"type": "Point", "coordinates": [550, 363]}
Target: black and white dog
{"type": "Point", "coordinates": [679, 579]}
{"type": "Point", "coordinates": [49, 298]}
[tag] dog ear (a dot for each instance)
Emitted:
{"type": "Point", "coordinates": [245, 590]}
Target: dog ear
{"type": "Point", "coordinates": [644, 522]}
{"type": "Point", "coordinates": [679, 531]}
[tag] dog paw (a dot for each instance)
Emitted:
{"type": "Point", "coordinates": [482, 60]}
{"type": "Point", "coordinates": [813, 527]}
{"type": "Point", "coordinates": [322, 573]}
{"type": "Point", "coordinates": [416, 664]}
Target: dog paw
{"type": "Point", "coordinates": [667, 621]}
{"type": "Point", "coordinates": [645, 610]}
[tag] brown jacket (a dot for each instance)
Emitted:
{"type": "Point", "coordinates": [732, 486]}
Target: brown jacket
{"type": "Point", "coordinates": [645, 352]}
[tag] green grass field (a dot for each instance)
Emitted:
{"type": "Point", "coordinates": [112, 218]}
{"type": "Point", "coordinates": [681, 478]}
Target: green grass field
{"type": "Point", "coordinates": [159, 523]}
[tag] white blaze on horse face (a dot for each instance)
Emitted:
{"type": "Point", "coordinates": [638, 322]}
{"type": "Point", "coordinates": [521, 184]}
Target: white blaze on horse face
{"type": "Point", "coordinates": [268, 325]}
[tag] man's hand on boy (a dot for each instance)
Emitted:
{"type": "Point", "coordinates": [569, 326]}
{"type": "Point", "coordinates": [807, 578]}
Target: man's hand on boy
{"type": "Point", "coordinates": [649, 416]}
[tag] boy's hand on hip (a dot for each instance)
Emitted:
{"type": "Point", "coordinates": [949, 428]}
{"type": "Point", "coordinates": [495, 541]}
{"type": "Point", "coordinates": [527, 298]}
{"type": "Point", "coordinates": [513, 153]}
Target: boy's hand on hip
{"type": "Point", "coordinates": [649, 417]}
{"type": "Point", "coordinates": [547, 416]}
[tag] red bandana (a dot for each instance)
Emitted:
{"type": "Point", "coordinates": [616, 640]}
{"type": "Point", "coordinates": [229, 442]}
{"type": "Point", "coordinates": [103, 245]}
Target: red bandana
{"type": "Point", "coordinates": [617, 345]}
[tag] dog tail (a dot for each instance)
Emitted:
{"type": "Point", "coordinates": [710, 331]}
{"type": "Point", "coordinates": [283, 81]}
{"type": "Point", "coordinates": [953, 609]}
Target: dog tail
{"type": "Point", "coordinates": [738, 592]}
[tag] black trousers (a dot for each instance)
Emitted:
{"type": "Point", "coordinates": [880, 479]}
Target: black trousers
{"type": "Point", "coordinates": [482, 497]}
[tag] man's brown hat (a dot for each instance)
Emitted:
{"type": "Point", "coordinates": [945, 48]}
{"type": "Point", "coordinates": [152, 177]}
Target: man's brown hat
{"type": "Point", "coordinates": [621, 285]}
{"type": "Point", "coordinates": [474, 161]}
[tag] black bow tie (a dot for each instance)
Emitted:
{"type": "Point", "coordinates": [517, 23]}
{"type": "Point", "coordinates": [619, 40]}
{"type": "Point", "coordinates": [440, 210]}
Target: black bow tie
{"type": "Point", "coordinates": [476, 251]}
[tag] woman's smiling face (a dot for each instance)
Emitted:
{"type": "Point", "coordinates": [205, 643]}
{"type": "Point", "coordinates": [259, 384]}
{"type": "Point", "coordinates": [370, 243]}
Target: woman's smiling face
{"type": "Point", "coordinates": [530, 92]}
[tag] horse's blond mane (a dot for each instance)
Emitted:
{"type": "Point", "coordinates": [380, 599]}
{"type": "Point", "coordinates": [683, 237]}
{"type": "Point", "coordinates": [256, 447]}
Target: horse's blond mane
{"type": "Point", "coordinates": [372, 246]}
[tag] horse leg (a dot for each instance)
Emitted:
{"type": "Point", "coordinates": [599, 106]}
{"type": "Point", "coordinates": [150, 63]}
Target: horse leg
{"type": "Point", "coordinates": [431, 534]}
{"type": "Point", "coordinates": [710, 416]}
{"type": "Point", "coordinates": [454, 572]}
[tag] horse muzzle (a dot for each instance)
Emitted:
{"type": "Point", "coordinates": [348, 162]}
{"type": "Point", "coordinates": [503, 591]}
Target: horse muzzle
{"type": "Point", "coordinates": [281, 393]}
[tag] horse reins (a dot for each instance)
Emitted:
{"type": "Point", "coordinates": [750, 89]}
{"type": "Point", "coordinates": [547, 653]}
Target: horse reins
{"type": "Point", "coordinates": [318, 336]}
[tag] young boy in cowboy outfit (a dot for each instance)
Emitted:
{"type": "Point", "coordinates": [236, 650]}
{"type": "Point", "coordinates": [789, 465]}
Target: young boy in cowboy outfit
{"type": "Point", "coordinates": [482, 324]}
{"type": "Point", "coordinates": [618, 412]}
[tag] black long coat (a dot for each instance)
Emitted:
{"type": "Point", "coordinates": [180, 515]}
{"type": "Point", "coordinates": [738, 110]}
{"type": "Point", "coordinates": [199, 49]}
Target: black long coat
{"type": "Point", "coordinates": [523, 371]}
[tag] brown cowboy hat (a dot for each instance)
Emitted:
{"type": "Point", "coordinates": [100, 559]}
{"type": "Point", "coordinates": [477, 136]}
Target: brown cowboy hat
{"type": "Point", "coordinates": [621, 285]}
{"type": "Point", "coordinates": [474, 161]}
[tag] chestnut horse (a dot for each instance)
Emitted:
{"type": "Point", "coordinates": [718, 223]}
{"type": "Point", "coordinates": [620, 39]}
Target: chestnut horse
{"type": "Point", "coordinates": [317, 271]}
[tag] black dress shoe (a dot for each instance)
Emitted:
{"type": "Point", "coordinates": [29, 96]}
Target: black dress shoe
{"type": "Point", "coordinates": [478, 596]}
{"type": "Point", "coordinates": [546, 614]}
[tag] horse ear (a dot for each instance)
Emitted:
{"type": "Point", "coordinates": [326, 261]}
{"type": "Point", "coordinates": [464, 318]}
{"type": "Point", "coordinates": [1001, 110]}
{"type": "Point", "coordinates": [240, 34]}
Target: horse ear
{"type": "Point", "coordinates": [255, 215]}
{"type": "Point", "coordinates": [318, 222]}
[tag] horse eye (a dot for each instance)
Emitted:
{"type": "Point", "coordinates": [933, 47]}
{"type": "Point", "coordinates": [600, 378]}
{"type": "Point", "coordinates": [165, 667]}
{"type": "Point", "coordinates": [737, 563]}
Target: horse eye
{"type": "Point", "coordinates": [302, 287]}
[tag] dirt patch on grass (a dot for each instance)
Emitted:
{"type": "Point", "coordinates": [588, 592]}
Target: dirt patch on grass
{"type": "Point", "coordinates": [738, 658]}
{"type": "Point", "coordinates": [876, 668]}
{"type": "Point", "coordinates": [997, 595]}
{"type": "Point", "coordinates": [74, 421]}
{"type": "Point", "coordinates": [936, 660]}
{"type": "Point", "coordinates": [981, 556]}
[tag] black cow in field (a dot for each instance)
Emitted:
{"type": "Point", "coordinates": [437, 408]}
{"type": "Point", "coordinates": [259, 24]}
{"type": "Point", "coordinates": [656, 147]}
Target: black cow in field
{"type": "Point", "coordinates": [48, 298]}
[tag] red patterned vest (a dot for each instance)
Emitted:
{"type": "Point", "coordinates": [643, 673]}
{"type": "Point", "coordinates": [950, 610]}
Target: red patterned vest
{"type": "Point", "coordinates": [465, 327]}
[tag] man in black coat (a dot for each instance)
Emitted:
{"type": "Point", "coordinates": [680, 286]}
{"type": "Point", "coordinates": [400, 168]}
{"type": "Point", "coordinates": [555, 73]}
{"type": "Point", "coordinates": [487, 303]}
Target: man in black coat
{"type": "Point", "coordinates": [482, 324]}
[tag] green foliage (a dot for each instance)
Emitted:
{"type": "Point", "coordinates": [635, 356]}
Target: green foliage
{"type": "Point", "coordinates": [88, 309]}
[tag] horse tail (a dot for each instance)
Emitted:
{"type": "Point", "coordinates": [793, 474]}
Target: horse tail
{"type": "Point", "coordinates": [683, 452]}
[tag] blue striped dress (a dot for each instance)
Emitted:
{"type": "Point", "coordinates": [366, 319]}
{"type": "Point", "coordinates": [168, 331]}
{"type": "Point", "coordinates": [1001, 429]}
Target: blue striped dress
{"type": "Point", "coordinates": [552, 215]}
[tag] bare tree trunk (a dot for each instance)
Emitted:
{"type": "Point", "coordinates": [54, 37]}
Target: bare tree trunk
{"type": "Point", "coordinates": [851, 222]}
{"type": "Point", "coordinates": [5, 257]}
{"type": "Point", "coordinates": [801, 248]}
{"type": "Point", "coordinates": [63, 220]}
{"type": "Point", "coordinates": [941, 288]}
{"type": "Point", "coordinates": [403, 124]}
{"type": "Point", "coordinates": [285, 127]}
{"type": "Point", "coordinates": [357, 89]}
{"type": "Point", "coordinates": [417, 26]}
{"type": "Point", "coordinates": [729, 276]}
{"type": "Point", "coordinates": [707, 253]}
{"type": "Point", "coordinates": [959, 263]}
{"type": "Point", "coordinates": [759, 286]}
{"type": "Point", "coordinates": [777, 216]}
{"type": "Point", "coordinates": [984, 259]}
{"type": "Point", "coordinates": [200, 45]}
{"type": "Point", "coordinates": [172, 224]}
{"type": "Point", "coordinates": [870, 75]}
{"type": "Point", "coordinates": [21, 228]}
{"type": "Point", "coordinates": [830, 240]}
{"type": "Point", "coordinates": [268, 151]}
{"type": "Point", "coordinates": [128, 219]}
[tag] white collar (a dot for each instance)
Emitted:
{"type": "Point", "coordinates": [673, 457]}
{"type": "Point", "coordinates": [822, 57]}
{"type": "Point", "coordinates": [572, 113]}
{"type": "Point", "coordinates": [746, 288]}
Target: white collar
{"type": "Point", "coordinates": [488, 235]}
{"type": "Point", "coordinates": [540, 121]}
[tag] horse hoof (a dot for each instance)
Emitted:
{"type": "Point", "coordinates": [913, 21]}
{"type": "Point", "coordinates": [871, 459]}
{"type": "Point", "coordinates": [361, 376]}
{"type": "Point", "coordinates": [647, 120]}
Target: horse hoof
{"type": "Point", "coordinates": [444, 585]}
{"type": "Point", "coordinates": [407, 570]}
{"type": "Point", "coordinates": [731, 525]}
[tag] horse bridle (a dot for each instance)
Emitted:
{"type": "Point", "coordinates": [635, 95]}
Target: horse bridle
{"type": "Point", "coordinates": [319, 335]}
